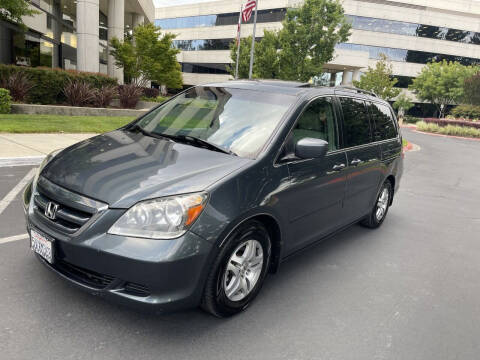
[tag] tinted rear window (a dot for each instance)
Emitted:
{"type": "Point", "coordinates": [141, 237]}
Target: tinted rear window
{"type": "Point", "coordinates": [384, 125]}
{"type": "Point", "coordinates": [356, 126]}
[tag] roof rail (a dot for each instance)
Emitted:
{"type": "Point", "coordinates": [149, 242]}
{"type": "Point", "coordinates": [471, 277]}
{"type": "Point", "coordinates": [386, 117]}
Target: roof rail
{"type": "Point", "coordinates": [355, 89]}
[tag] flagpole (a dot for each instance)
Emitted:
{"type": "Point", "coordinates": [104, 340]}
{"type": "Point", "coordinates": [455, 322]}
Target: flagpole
{"type": "Point", "coordinates": [252, 52]}
{"type": "Point", "coordinates": [239, 34]}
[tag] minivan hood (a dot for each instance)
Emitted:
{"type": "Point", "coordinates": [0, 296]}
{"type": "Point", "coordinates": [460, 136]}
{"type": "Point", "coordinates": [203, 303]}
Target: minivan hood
{"type": "Point", "coordinates": [121, 168]}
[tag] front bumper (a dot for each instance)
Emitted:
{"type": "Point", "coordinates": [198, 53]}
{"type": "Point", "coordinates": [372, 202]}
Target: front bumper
{"type": "Point", "coordinates": [161, 275]}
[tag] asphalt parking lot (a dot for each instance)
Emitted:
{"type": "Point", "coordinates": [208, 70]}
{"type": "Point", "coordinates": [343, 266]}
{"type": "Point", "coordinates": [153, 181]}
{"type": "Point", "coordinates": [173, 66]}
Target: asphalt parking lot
{"type": "Point", "coordinates": [409, 290]}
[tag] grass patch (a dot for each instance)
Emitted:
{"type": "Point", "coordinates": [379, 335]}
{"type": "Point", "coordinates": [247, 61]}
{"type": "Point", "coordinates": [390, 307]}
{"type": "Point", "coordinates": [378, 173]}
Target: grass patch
{"type": "Point", "coordinates": [449, 130]}
{"type": "Point", "coordinates": [21, 123]}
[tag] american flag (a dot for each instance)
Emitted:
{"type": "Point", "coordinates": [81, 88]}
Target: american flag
{"type": "Point", "coordinates": [247, 12]}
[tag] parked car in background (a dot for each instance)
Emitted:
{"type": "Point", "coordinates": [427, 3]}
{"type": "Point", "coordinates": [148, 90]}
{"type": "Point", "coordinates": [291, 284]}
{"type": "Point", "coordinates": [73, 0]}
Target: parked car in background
{"type": "Point", "coordinates": [195, 202]}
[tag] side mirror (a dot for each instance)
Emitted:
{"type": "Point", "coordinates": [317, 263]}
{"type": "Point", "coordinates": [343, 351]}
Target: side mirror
{"type": "Point", "coordinates": [308, 148]}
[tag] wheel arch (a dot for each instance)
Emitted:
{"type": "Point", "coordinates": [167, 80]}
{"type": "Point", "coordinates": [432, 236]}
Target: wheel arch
{"type": "Point", "coordinates": [391, 178]}
{"type": "Point", "coordinates": [272, 225]}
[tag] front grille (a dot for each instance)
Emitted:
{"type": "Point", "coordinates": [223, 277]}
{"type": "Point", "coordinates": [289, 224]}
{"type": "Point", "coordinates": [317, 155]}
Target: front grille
{"type": "Point", "coordinates": [68, 219]}
{"type": "Point", "coordinates": [136, 289]}
{"type": "Point", "coordinates": [83, 276]}
{"type": "Point", "coordinates": [73, 211]}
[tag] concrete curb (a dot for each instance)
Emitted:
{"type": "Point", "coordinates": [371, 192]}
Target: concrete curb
{"type": "Point", "coordinates": [448, 136]}
{"type": "Point", "coordinates": [21, 161]}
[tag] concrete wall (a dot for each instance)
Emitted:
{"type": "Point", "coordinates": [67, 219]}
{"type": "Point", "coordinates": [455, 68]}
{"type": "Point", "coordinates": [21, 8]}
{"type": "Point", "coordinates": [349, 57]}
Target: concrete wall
{"type": "Point", "coordinates": [72, 111]}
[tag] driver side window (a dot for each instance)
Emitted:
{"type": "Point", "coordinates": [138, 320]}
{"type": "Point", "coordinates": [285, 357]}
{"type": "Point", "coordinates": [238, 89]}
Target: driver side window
{"type": "Point", "coordinates": [317, 121]}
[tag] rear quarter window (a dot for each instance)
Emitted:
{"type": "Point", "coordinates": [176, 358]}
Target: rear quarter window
{"type": "Point", "coordinates": [383, 122]}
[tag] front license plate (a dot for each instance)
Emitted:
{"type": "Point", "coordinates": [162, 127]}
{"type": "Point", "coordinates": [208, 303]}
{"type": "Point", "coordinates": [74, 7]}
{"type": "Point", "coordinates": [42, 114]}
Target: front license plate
{"type": "Point", "coordinates": [42, 245]}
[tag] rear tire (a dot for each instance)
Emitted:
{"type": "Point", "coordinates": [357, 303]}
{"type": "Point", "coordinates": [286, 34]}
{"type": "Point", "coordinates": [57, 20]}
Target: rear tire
{"type": "Point", "coordinates": [238, 271]}
{"type": "Point", "coordinates": [380, 209]}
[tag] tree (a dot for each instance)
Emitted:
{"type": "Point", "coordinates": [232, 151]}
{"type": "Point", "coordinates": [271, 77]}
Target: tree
{"type": "Point", "coordinates": [380, 80]}
{"type": "Point", "coordinates": [148, 55]}
{"type": "Point", "coordinates": [244, 60]}
{"type": "Point", "coordinates": [308, 38]}
{"type": "Point", "coordinates": [266, 65]}
{"type": "Point", "coordinates": [14, 10]}
{"type": "Point", "coordinates": [266, 58]}
{"type": "Point", "coordinates": [402, 105]}
{"type": "Point", "coordinates": [300, 49]}
{"type": "Point", "coordinates": [471, 89]}
{"type": "Point", "coordinates": [442, 83]}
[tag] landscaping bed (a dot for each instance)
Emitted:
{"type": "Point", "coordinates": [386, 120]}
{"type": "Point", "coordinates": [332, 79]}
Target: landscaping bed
{"type": "Point", "coordinates": [451, 130]}
{"type": "Point", "coordinates": [454, 122]}
{"type": "Point", "coordinates": [20, 123]}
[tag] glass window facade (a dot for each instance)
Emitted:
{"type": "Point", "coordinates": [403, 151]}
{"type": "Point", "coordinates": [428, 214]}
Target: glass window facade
{"type": "Point", "coordinates": [413, 56]}
{"type": "Point", "coordinates": [51, 38]}
{"type": "Point", "coordinates": [212, 44]}
{"type": "Point", "coordinates": [207, 44]}
{"type": "Point", "coordinates": [103, 40]}
{"type": "Point", "coordinates": [205, 68]}
{"type": "Point", "coordinates": [412, 29]}
{"type": "Point", "coordinates": [270, 15]}
{"type": "Point", "coordinates": [403, 81]}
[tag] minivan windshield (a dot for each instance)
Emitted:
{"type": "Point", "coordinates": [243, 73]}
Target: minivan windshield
{"type": "Point", "coordinates": [235, 120]}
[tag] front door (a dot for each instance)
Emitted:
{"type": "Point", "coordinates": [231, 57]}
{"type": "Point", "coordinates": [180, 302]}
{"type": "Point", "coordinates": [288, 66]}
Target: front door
{"type": "Point", "coordinates": [315, 195]}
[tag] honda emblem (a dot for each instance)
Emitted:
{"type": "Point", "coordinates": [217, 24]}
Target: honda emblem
{"type": "Point", "coordinates": [51, 210]}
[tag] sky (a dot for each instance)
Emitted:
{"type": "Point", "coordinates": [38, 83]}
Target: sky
{"type": "Point", "coordinates": [159, 3]}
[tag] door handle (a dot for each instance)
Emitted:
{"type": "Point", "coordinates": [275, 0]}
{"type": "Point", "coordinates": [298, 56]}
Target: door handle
{"type": "Point", "coordinates": [338, 167]}
{"type": "Point", "coordinates": [356, 162]}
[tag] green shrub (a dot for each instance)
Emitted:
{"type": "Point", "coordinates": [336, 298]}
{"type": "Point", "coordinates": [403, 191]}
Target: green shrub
{"type": "Point", "coordinates": [466, 112]}
{"type": "Point", "coordinates": [48, 84]}
{"type": "Point", "coordinates": [5, 101]}
{"type": "Point", "coordinates": [448, 130]}
{"type": "Point", "coordinates": [411, 119]}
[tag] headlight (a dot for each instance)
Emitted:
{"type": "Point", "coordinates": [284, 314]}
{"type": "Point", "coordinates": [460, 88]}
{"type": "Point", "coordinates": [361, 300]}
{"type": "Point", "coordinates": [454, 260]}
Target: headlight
{"type": "Point", "coordinates": [44, 163]}
{"type": "Point", "coordinates": [164, 218]}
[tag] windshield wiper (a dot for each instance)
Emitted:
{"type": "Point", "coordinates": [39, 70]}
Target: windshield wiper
{"type": "Point", "coordinates": [183, 138]}
{"type": "Point", "coordinates": [137, 127]}
{"type": "Point", "coordinates": [200, 142]}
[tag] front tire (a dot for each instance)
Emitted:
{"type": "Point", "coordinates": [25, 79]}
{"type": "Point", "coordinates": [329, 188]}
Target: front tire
{"type": "Point", "coordinates": [380, 209]}
{"type": "Point", "coordinates": [238, 271]}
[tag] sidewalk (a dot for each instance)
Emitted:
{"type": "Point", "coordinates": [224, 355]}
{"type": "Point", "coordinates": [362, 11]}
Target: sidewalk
{"type": "Point", "coordinates": [35, 145]}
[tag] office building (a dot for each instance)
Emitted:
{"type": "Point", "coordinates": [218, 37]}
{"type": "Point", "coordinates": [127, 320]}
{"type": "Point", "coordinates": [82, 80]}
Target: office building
{"type": "Point", "coordinates": [410, 32]}
{"type": "Point", "coordinates": [72, 34]}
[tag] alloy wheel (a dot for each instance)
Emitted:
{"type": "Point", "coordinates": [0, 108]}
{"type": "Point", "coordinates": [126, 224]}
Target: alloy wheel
{"type": "Point", "coordinates": [243, 270]}
{"type": "Point", "coordinates": [382, 204]}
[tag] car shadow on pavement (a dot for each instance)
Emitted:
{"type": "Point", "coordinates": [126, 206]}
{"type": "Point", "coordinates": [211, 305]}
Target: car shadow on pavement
{"type": "Point", "coordinates": [279, 290]}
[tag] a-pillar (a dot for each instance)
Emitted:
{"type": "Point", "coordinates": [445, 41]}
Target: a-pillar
{"type": "Point", "coordinates": [116, 28]}
{"type": "Point", "coordinates": [88, 35]}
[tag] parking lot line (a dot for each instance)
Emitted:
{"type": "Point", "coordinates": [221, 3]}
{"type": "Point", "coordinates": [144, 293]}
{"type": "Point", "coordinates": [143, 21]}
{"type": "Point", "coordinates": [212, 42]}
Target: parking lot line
{"type": "Point", "coordinates": [14, 238]}
{"type": "Point", "coordinates": [14, 192]}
